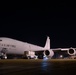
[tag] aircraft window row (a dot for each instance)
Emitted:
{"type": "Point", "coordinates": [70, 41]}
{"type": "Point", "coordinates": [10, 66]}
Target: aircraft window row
{"type": "Point", "coordinates": [7, 45]}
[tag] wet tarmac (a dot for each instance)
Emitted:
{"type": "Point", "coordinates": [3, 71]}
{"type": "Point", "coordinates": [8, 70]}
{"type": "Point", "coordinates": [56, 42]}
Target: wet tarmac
{"type": "Point", "coordinates": [38, 67]}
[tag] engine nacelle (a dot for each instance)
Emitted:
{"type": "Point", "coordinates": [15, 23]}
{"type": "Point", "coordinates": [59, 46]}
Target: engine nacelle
{"type": "Point", "coordinates": [71, 51]}
{"type": "Point", "coordinates": [48, 53]}
{"type": "Point", "coordinates": [30, 55]}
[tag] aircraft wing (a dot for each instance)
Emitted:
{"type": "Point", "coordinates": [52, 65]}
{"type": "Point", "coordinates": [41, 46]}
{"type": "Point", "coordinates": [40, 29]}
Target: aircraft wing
{"type": "Point", "coordinates": [60, 49]}
{"type": "Point", "coordinates": [64, 51]}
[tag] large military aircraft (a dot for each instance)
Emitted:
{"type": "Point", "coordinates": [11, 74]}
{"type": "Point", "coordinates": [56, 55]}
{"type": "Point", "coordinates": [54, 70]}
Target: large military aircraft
{"type": "Point", "coordinates": [9, 46]}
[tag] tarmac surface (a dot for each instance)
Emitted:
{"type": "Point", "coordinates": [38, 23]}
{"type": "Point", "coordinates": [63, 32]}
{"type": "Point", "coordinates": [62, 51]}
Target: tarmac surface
{"type": "Point", "coordinates": [38, 67]}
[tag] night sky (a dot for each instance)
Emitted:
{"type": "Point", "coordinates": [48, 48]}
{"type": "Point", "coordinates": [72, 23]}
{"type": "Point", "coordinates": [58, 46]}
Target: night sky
{"type": "Point", "coordinates": [33, 21]}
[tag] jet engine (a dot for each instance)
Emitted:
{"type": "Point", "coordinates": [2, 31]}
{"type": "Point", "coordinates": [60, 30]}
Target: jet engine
{"type": "Point", "coordinates": [48, 53]}
{"type": "Point", "coordinates": [30, 54]}
{"type": "Point", "coordinates": [71, 51]}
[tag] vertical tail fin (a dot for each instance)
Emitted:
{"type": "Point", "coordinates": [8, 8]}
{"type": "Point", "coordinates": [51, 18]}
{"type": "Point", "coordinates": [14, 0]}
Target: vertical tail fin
{"type": "Point", "coordinates": [47, 44]}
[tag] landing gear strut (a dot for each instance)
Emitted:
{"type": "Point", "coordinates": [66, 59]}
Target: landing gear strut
{"type": "Point", "coordinates": [3, 56]}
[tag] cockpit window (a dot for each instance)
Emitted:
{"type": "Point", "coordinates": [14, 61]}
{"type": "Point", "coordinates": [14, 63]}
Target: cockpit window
{"type": "Point", "coordinates": [0, 40]}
